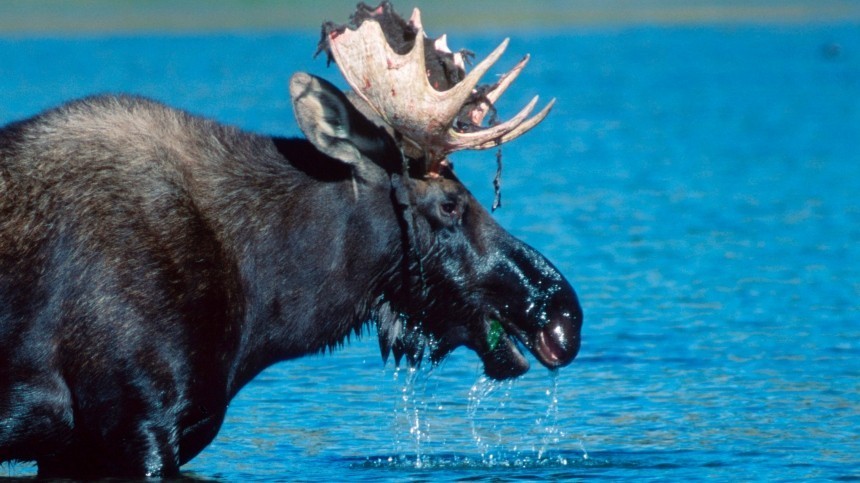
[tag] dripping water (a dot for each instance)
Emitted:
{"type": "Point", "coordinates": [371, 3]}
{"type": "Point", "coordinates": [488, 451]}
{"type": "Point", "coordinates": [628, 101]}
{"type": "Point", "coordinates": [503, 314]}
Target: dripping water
{"type": "Point", "coordinates": [412, 407]}
{"type": "Point", "coordinates": [505, 424]}
{"type": "Point", "coordinates": [497, 432]}
{"type": "Point", "coordinates": [548, 425]}
{"type": "Point", "coordinates": [480, 414]}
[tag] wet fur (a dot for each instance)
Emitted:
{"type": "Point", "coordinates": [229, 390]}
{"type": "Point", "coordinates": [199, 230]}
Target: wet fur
{"type": "Point", "coordinates": [145, 255]}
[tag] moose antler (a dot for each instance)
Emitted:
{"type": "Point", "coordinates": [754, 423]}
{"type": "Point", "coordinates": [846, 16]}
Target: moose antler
{"type": "Point", "coordinates": [397, 87]}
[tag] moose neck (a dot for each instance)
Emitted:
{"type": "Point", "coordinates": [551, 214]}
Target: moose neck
{"type": "Point", "coordinates": [312, 268]}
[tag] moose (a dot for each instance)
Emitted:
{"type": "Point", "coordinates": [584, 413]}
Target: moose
{"type": "Point", "coordinates": [153, 262]}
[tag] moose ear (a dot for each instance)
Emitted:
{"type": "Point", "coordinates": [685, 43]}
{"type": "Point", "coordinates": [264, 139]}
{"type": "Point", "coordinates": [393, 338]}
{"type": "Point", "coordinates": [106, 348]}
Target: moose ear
{"type": "Point", "coordinates": [336, 128]}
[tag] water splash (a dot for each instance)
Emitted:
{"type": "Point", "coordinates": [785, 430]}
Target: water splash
{"type": "Point", "coordinates": [508, 425]}
{"type": "Point", "coordinates": [548, 425]}
{"type": "Point", "coordinates": [495, 415]}
{"type": "Point", "coordinates": [453, 461]}
{"type": "Point", "coordinates": [410, 410]}
{"type": "Point", "coordinates": [480, 392]}
{"type": "Point", "coordinates": [584, 451]}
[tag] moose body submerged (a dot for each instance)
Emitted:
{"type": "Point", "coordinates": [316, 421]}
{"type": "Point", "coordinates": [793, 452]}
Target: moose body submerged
{"type": "Point", "coordinates": [153, 262]}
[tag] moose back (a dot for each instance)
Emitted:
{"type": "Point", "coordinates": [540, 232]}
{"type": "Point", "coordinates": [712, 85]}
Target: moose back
{"type": "Point", "coordinates": [153, 262]}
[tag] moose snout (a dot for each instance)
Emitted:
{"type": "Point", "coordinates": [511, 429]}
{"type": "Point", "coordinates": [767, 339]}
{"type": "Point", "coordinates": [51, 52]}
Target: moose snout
{"type": "Point", "coordinates": [556, 344]}
{"type": "Point", "coordinates": [552, 318]}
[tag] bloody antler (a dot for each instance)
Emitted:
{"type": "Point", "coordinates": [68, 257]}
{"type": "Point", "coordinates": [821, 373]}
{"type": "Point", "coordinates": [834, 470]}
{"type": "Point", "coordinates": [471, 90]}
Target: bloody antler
{"type": "Point", "coordinates": [397, 87]}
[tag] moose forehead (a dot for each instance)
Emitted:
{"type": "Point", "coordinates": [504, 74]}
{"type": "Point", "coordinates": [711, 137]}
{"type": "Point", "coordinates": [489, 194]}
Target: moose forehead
{"type": "Point", "coordinates": [445, 186]}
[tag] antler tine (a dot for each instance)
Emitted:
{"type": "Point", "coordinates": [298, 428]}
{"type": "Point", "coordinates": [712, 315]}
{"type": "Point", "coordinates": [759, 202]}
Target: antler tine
{"type": "Point", "coordinates": [467, 139]}
{"type": "Point", "coordinates": [493, 136]}
{"type": "Point", "coordinates": [415, 19]}
{"type": "Point", "coordinates": [520, 129]}
{"type": "Point", "coordinates": [478, 113]}
{"type": "Point", "coordinates": [463, 89]}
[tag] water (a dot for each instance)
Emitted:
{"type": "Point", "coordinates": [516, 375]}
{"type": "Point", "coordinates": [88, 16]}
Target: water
{"type": "Point", "coordinates": [698, 186]}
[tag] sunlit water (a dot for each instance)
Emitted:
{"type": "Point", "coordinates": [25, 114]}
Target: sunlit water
{"type": "Point", "coordinates": [699, 187]}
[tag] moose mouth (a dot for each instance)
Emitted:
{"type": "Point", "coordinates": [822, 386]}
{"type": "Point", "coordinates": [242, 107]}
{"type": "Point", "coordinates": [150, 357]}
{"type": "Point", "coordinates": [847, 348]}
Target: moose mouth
{"type": "Point", "coordinates": [555, 344]}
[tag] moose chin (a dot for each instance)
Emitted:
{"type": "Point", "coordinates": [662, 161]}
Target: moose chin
{"type": "Point", "coordinates": [153, 262]}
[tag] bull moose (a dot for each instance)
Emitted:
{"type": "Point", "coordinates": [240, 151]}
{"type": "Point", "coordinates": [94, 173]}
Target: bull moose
{"type": "Point", "coordinates": [153, 262]}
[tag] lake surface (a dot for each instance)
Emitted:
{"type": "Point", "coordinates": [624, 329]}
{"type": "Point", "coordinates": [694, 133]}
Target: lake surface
{"type": "Point", "coordinates": [700, 187]}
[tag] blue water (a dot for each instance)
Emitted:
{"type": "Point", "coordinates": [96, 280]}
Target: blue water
{"type": "Point", "coordinates": [698, 186]}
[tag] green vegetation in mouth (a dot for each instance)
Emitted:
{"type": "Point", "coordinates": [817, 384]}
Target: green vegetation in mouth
{"type": "Point", "coordinates": [495, 334]}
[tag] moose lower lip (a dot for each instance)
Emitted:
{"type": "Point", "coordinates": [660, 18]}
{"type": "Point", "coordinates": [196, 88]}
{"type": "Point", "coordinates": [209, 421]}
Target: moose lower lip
{"type": "Point", "coordinates": [549, 349]}
{"type": "Point", "coordinates": [554, 346]}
